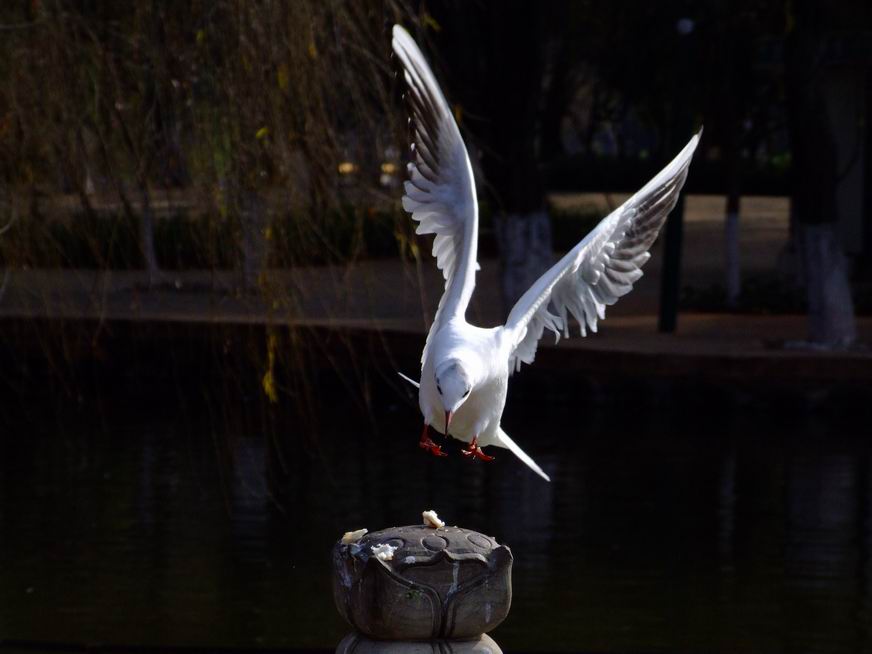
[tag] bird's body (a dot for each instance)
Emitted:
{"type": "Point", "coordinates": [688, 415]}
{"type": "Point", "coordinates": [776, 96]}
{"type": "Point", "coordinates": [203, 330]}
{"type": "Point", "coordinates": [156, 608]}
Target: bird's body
{"type": "Point", "coordinates": [465, 369]}
{"type": "Point", "coordinates": [483, 356]}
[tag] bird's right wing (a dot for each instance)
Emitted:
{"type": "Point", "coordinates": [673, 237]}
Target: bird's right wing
{"type": "Point", "coordinates": [600, 269]}
{"type": "Point", "coordinates": [440, 192]}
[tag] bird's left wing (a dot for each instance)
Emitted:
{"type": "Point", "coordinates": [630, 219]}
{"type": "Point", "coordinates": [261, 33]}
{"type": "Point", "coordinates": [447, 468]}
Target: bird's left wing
{"type": "Point", "coordinates": [601, 268]}
{"type": "Point", "coordinates": [440, 192]}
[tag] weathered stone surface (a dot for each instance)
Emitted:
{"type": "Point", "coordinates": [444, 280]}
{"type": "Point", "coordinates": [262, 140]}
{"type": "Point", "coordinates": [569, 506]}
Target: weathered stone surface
{"type": "Point", "coordinates": [447, 583]}
{"type": "Point", "coordinates": [357, 644]}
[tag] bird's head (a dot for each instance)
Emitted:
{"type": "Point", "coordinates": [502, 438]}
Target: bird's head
{"type": "Point", "coordinates": [454, 385]}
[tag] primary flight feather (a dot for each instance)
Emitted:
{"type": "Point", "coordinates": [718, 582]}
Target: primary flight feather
{"type": "Point", "coordinates": [465, 369]}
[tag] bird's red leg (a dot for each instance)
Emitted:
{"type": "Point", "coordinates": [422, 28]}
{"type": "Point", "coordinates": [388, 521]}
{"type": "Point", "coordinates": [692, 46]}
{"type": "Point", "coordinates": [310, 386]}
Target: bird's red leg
{"type": "Point", "coordinates": [426, 443]}
{"type": "Point", "coordinates": [474, 451]}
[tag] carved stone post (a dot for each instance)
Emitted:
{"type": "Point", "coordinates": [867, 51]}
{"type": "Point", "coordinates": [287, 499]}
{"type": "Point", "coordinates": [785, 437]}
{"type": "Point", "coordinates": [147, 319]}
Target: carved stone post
{"type": "Point", "coordinates": [420, 589]}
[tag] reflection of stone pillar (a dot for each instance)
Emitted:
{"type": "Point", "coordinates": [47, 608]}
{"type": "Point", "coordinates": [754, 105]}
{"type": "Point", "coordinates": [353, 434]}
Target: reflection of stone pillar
{"type": "Point", "coordinates": [286, 468]}
{"type": "Point", "coordinates": [529, 502]}
{"type": "Point", "coordinates": [727, 509]}
{"type": "Point", "coordinates": [821, 554]}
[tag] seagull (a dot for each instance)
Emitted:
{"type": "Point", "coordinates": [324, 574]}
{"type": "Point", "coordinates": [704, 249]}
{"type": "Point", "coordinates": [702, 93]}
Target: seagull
{"type": "Point", "coordinates": [465, 369]}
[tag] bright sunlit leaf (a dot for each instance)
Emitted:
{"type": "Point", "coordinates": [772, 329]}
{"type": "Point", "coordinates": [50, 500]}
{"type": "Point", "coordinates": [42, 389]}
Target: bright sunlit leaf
{"type": "Point", "coordinates": [269, 382]}
{"type": "Point", "coordinates": [431, 22]}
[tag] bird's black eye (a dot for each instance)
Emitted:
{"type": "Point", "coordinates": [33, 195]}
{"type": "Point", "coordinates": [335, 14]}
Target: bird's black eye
{"type": "Point", "coordinates": [439, 388]}
{"type": "Point", "coordinates": [467, 392]}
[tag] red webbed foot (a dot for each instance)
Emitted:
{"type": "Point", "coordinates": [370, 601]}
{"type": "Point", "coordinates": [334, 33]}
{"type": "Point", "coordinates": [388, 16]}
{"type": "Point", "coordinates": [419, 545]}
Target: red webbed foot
{"type": "Point", "coordinates": [473, 451]}
{"type": "Point", "coordinates": [435, 450]}
{"type": "Point", "coordinates": [426, 443]}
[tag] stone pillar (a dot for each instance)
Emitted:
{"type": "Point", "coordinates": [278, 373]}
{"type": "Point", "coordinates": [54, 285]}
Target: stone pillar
{"type": "Point", "coordinates": [357, 644]}
{"type": "Point", "coordinates": [420, 589]}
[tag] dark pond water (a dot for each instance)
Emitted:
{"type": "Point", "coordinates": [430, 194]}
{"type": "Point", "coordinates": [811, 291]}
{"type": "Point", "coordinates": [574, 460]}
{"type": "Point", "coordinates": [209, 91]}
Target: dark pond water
{"type": "Point", "coordinates": [690, 531]}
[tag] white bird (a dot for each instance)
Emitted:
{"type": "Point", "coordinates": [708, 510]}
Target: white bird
{"type": "Point", "coordinates": [465, 369]}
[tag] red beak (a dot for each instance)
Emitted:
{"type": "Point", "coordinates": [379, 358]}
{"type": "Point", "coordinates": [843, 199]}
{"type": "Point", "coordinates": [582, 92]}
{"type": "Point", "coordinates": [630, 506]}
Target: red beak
{"type": "Point", "coordinates": [448, 416]}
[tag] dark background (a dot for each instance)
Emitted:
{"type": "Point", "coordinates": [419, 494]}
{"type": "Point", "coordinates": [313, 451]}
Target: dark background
{"type": "Point", "coordinates": [208, 284]}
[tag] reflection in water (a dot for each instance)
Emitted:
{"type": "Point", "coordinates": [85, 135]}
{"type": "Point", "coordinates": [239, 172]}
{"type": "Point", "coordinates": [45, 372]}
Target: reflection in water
{"type": "Point", "coordinates": [748, 537]}
{"type": "Point", "coordinates": [825, 550]}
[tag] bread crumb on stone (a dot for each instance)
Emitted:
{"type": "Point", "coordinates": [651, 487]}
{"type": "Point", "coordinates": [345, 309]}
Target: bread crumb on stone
{"type": "Point", "coordinates": [350, 537]}
{"type": "Point", "coordinates": [432, 520]}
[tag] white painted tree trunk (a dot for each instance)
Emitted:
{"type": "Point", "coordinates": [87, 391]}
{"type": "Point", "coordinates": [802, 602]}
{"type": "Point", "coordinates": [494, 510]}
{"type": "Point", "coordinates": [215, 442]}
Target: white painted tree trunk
{"type": "Point", "coordinates": [146, 234]}
{"type": "Point", "coordinates": [731, 259]}
{"type": "Point", "coordinates": [526, 251]}
{"type": "Point", "coordinates": [825, 270]}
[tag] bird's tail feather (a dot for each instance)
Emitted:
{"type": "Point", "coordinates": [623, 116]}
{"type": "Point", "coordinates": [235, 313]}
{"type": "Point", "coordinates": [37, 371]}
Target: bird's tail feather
{"type": "Point", "coordinates": [503, 440]}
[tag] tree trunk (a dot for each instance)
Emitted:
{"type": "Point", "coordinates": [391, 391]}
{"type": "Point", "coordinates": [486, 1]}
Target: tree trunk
{"type": "Point", "coordinates": [815, 175]}
{"type": "Point", "coordinates": [166, 144]}
{"type": "Point", "coordinates": [253, 219]}
{"type": "Point", "coordinates": [146, 232]}
{"type": "Point", "coordinates": [513, 165]}
{"type": "Point", "coordinates": [504, 84]}
{"type": "Point", "coordinates": [830, 307]}
{"type": "Point", "coordinates": [524, 240]}
{"type": "Point", "coordinates": [732, 268]}
{"type": "Point", "coordinates": [731, 253]}
{"type": "Point", "coordinates": [865, 259]}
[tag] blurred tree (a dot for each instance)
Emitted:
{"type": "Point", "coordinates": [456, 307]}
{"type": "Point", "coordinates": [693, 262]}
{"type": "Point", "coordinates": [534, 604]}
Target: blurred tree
{"type": "Point", "coordinates": [239, 112]}
{"type": "Point", "coordinates": [515, 68]}
{"type": "Point", "coordinates": [817, 99]}
{"type": "Point", "coordinates": [499, 58]}
{"type": "Point", "coordinates": [4, 284]}
{"type": "Point", "coordinates": [643, 74]}
{"type": "Point", "coordinates": [248, 108]}
{"type": "Point", "coordinates": [738, 102]}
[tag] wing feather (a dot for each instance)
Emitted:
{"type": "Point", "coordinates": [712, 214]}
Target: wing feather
{"type": "Point", "coordinates": [599, 270]}
{"type": "Point", "coordinates": [440, 191]}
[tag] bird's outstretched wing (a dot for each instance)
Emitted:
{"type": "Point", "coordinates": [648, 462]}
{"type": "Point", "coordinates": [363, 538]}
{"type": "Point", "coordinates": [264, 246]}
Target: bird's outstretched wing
{"type": "Point", "coordinates": [601, 268]}
{"type": "Point", "coordinates": [440, 192]}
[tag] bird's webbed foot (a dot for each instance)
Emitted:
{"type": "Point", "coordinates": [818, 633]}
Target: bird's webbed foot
{"type": "Point", "coordinates": [473, 451]}
{"type": "Point", "coordinates": [426, 443]}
